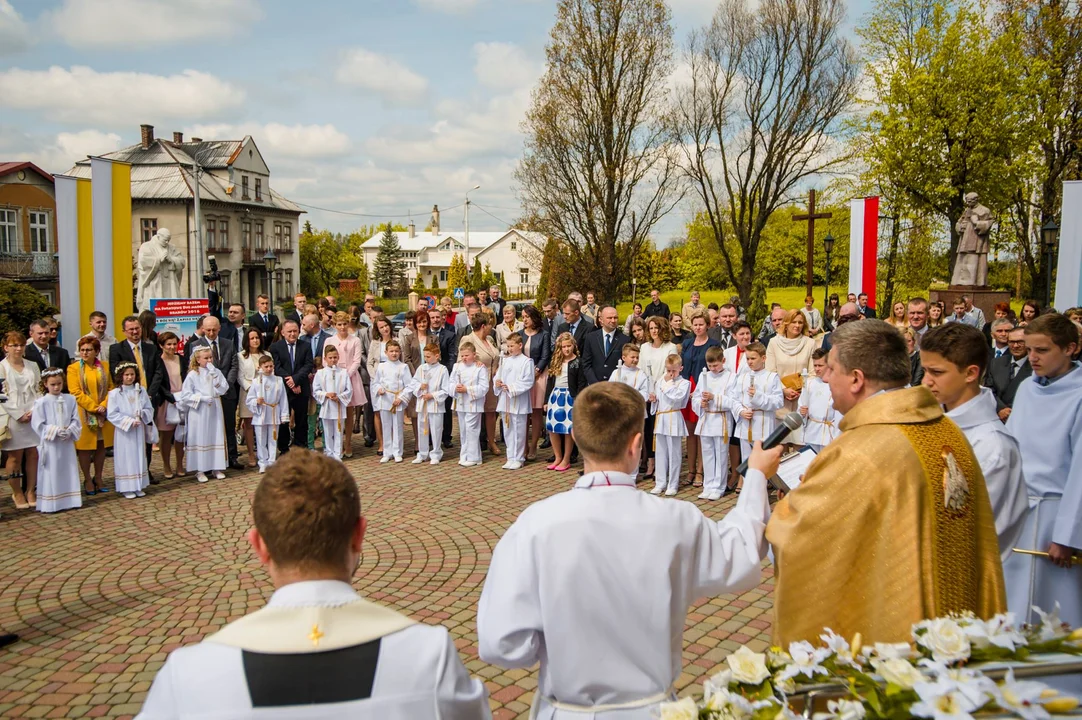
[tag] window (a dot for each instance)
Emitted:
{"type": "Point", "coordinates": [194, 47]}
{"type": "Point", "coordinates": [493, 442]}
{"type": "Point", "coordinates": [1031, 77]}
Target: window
{"type": "Point", "coordinates": [39, 232]}
{"type": "Point", "coordinates": [9, 231]}
{"type": "Point", "coordinates": [524, 276]}
{"type": "Point", "coordinates": [246, 234]}
{"type": "Point", "coordinates": [287, 237]}
{"type": "Point", "coordinates": [278, 290]}
{"type": "Point", "coordinates": [211, 237]}
{"type": "Point", "coordinates": [277, 230]}
{"type": "Point", "coordinates": [226, 277]}
{"type": "Point", "coordinates": [514, 245]}
{"type": "Point", "coordinates": [443, 276]}
{"type": "Point", "coordinates": [223, 233]}
{"type": "Point", "coordinates": [259, 236]}
{"type": "Point", "coordinates": [498, 276]}
{"type": "Point", "coordinates": [259, 189]}
{"type": "Point", "coordinates": [149, 227]}
{"type": "Point", "coordinates": [244, 188]}
{"type": "Point", "coordinates": [289, 284]}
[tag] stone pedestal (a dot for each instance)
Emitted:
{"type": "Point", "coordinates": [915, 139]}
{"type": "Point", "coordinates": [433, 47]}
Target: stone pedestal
{"type": "Point", "coordinates": [984, 298]}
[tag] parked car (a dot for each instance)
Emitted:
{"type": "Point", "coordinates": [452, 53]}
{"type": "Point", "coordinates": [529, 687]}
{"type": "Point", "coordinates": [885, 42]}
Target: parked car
{"type": "Point", "coordinates": [397, 321]}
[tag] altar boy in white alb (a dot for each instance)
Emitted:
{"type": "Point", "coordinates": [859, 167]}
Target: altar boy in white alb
{"type": "Point", "coordinates": [468, 386]}
{"type": "Point", "coordinates": [270, 408]}
{"type": "Point", "coordinates": [390, 388]}
{"type": "Point", "coordinates": [595, 582]}
{"type": "Point", "coordinates": [638, 380]}
{"type": "Point", "coordinates": [430, 387]}
{"type": "Point", "coordinates": [816, 405]}
{"type": "Point", "coordinates": [1047, 421]}
{"type": "Point", "coordinates": [711, 403]}
{"type": "Point", "coordinates": [671, 393]}
{"type": "Point", "coordinates": [512, 385]}
{"type": "Point", "coordinates": [317, 650]}
{"type": "Point", "coordinates": [332, 390]}
{"type": "Point", "coordinates": [755, 396]}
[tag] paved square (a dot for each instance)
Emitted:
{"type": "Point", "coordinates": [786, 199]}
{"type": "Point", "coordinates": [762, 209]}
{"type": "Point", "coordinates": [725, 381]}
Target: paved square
{"type": "Point", "coordinates": [100, 595]}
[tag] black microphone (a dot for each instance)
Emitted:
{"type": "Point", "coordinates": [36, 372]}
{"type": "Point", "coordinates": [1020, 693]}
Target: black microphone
{"type": "Point", "coordinates": [789, 423]}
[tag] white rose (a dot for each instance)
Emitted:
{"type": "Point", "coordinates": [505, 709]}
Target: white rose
{"type": "Point", "coordinates": [946, 640]}
{"type": "Point", "coordinates": [748, 667]}
{"type": "Point", "coordinates": [893, 651]}
{"type": "Point", "coordinates": [684, 709]}
{"type": "Point", "coordinates": [898, 672]}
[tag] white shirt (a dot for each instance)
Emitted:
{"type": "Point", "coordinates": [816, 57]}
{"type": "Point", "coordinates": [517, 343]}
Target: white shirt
{"type": "Point", "coordinates": [635, 562]}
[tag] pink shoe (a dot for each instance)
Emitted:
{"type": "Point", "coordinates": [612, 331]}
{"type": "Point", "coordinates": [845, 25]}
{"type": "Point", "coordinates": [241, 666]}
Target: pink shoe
{"type": "Point", "coordinates": [551, 467]}
{"type": "Point", "coordinates": [562, 469]}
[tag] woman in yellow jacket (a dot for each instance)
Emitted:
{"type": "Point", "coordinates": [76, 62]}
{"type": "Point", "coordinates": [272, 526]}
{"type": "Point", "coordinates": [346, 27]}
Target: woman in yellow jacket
{"type": "Point", "coordinates": [89, 383]}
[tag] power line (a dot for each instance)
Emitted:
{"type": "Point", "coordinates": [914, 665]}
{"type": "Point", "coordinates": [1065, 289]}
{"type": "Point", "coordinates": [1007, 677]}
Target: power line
{"type": "Point", "coordinates": [367, 215]}
{"type": "Point", "coordinates": [486, 212]}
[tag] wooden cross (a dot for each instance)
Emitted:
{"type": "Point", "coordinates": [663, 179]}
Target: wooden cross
{"type": "Point", "coordinates": [811, 216]}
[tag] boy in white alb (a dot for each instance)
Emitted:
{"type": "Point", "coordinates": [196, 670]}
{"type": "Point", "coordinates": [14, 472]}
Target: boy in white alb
{"type": "Point", "coordinates": [711, 403]}
{"type": "Point", "coordinates": [816, 406]}
{"type": "Point", "coordinates": [269, 405]}
{"type": "Point", "coordinates": [333, 390]}
{"type": "Point", "coordinates": [633, 560]}
{"type": "Point", "coordinates": [513, 382]}
{"type": "Point", "coordinates": [430, 387]}
{"type": "Point", "coordinates": [672, 393]}
{"type": "Point", "coordinates": [391, 388]}
{"type": "Point", "coordinates": [755, 396]}
{"type": "Point", "coordinates": [629, 374]}
{"type": "Point", "coordinates": [469, 385]}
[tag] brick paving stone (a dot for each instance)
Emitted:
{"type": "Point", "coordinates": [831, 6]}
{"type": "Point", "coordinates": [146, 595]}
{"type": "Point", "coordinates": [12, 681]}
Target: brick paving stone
{"type": "Point", "coordinates": [100, 595]}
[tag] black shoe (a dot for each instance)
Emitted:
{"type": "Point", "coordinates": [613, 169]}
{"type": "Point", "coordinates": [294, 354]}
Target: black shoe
{"type": "Point", "coordinates": [369, 442]}
{"type": "Point", "coordinates": [447, 445]}
{"type": "Point", "coordinates": [108, 452]}
{"type": "Point", "coordinates": [546, 444]}
{"type": "Point", "coordinates": [236, 465]}
{"type": "Point", "coordinates": [8, 638]}
{"type": "Point", "coordinates": [153, 480]}
{"type": "Point", "coordinates": [552, 459]}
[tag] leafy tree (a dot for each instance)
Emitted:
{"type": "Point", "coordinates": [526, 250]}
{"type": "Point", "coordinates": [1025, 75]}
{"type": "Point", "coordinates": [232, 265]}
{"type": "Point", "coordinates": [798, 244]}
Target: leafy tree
{"type": "Point", "coordinates": [419, 286]}
{"type": "Point", "coordinates": [598, 165]}
{"type": "Point", "coordinates": [456, 273]}
{"type": "Point", "coordinates": [476, 276]}
{"type": "Point", "coordinates": [21, 305]}
{"type": "Point", "coordinates": [503, 285]}
{"type": "Point", "coordinates": [308, 227]}
{"type": "Point", "coordinates": [362, 275]}
{"type": "Point", "coordinates": [390, 270]}
{"type": "Point", "coordinates": [488, 279]}
{"type": "Point", "coordinates": [321, 261]}
{"type": "Point", "coordinates": [435, 289]}
{"type": "Point", "coordinates": [555, 280]}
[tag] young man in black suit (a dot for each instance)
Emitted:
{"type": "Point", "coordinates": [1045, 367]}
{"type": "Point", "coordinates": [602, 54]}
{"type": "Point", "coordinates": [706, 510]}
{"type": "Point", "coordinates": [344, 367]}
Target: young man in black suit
{"type": "Point", "coordinates": [293, 363]}
{"type": "Point", "coordinates": [1007, 372]}
{"type": "Point", "coordinates": [225, 359]}
{"type": "Point", "coordinates": [147, 357]}
{"type": "Point", "coordinates": [299, 301]}
{"type": "Point", "coordinates": [448, 342]}
{"type": "Point", "coordinates": [574, 322]}
{"type": "Point", "coordinates": [601, 350]}
{"type": "Point", "coordinates": [264, 320]}
{"type": "Point", "coordinates": [234, 329]}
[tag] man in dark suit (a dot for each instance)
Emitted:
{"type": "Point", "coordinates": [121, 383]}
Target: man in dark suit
{"type": "Point", "coordinates": [225, 359]}
{"type": "Point", "coordinates": [723, 331]}
{"type": "Point", "coordinates": [862, 306]}
{"type": "Point", "coordinates": [41, 352]}
{"type": "Point", "coordinates": [146, 356]}
{"type": "Point", "coordinates": [264, 320]}
{"type": "Point", "coordinates": [293, 363]}
{"type": "Point", "coordinates": [602, 350]}
{"type": "Point", "coordinates": [1006, 373]}
{"type": "Point", "coordinates": [574, 323]}
{"type": "Point", "coordinates": [234, 329]}
{"type": "Point", "coordinates": [655, 307]}
{"type": "Point", "coordinates": [447, 339]}
{"type": "Point", "coordinates": [299, 301]}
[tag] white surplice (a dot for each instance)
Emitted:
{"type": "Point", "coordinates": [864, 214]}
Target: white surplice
{"type": "Point", "coordinates": [419, 675]}
{"type": "Point", "coordinates": [768, 397]}
{"type": "Point", "coordinates": [430, 378]}
{"type": "Point", "coordinates": [1001, 464]}
{"type": "Point", "coordinates": [1047, 422]}
{"type": "Point", "coordinates": [394, 379]}
{"type": "Point", "coordinates": [130, 412]}
{"type": "Point", "coordinates": [715, 419]}
{"type": "Point", "coordinates": [821, 423]}
{"type": "Point", "coordinates": [266, 418]}
{"type": "Point", "coordinates": [637, 379]}
{"type": "Point", "coordinates": [55, 419]}
{"type": "Point", "coordinates": [595, 584]}
{"type": "Point", "coordinates": [517, 374]}
{"type": "Point", "coordinates": [333, 414]}
{"type": "Point", "coordinates": [475, 379]}
{"type": "Point", "coordinates": [201, 396]}
{"type": "Point", "coordinates": [732, 364]}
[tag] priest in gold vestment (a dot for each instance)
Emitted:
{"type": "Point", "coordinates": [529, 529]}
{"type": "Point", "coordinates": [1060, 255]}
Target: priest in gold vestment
{"type": "Point", "coordinates": [892, 523]}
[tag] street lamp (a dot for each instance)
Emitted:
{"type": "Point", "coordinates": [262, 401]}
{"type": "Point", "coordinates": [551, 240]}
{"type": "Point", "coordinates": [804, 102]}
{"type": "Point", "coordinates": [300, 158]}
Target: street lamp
{"type": "Point", "coordinates": [270, 262]}
{"type": "Point", "coordinates": [1049, 237]}
{"type": "Point", "coordinates": [828, 245]}
{"type": "Point", "coordinates": [475, 187]}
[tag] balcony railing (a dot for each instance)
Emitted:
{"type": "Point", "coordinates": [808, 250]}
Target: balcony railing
{"type": "Point", "coordinates": [252, 256]}
{"type": "Point", "coordinates": [27, 265]}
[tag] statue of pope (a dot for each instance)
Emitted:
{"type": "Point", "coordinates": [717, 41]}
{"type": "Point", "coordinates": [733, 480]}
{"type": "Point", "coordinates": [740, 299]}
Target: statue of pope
{"type": "Point", "coordinates": [160, 267]}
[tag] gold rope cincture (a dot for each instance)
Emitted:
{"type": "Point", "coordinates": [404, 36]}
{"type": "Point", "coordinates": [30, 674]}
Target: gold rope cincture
{"type": "Point", "coordinates": [723, 413]}
{"type": "Point", "coordinates": [273, 406]}
{"type": "Point", "coordinates": [424, 403]}
{"type": "Point", "coordinates": [661, 412]}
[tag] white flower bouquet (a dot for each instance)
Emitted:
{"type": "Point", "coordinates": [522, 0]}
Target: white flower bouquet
{"type": "Point", "coordinates": [889, 681]}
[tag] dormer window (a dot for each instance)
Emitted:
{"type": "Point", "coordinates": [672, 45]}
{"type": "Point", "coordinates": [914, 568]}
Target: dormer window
{"type": "Point", "coordinates": [244, 187]}
{"type": "Point", "coordinates": [259, 193]}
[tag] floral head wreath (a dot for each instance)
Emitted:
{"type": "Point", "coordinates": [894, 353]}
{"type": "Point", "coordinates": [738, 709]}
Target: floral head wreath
{"type": "Point", "coordinates": [121, 367]}
{"type": "Point", "coordinates": [52, 372]}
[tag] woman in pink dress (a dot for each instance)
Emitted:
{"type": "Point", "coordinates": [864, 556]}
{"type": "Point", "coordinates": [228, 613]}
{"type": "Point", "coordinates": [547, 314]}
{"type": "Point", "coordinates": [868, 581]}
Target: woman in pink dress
{"type": "Point", "coordinates": [349, 357]}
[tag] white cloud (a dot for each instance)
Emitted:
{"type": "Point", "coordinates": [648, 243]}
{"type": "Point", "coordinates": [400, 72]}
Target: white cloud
{"type": "Point", "coordinates": [14, 35]}
{"type": "Point", "coordinates": [55, 153]}
{"type": "Point", "coordinates": [148, 23]}
{"type": "Point", "coordinates": [447, 6]}
{"type": "Point", "coordinates": [82, 94]}
{"type": "Point", "coordinates": [275, 139]}
{"type": "Point", "coordinates": [388, 78]}
{"type": "Point", "coordinates": [503, 66]}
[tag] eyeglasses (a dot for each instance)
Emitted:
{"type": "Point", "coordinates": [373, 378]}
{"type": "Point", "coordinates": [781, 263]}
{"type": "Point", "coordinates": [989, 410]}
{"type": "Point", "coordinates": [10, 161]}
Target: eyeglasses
{"type": "Point", "coordinates": [1016, 342]}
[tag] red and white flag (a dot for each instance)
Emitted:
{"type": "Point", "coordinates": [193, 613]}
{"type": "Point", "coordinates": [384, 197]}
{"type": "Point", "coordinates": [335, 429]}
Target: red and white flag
{"type": "Point", "coordinates": [863, 246]}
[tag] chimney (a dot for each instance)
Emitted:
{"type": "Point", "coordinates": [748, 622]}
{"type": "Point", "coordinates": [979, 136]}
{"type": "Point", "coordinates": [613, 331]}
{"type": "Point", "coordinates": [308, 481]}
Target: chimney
{"type": "Point", "coordinates": [146, 132]}
{"type": "Point", "coordinates": [435, 220]}
{"type": "Point", "coordinates": [178, 137]}
{"type": "Point", "coordinates": [195, 139]}
{"type": "Point", "coordinates": [413, 229]}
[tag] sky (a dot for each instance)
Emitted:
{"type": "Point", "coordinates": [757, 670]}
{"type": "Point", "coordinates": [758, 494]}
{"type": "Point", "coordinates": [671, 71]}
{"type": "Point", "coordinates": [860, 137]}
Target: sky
{"type": "Point", "coordinates": [369, 110]}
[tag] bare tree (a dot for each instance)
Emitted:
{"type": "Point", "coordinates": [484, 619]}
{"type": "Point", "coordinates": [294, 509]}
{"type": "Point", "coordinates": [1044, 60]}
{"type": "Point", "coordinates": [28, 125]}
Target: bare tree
{"type": "Point", "coordinates": [597, 166]}
{"type": "Point", "coordinates": [767, 93]}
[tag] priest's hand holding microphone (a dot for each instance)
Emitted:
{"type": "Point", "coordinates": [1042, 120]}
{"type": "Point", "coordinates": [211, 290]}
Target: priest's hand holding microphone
{"type": "Point", "coordinates": [766, 456]}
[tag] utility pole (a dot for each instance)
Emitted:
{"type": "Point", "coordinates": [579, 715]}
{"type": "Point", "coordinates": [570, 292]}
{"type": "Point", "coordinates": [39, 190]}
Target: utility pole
{"type": "Point", "coordinates": [200, 251]}
{"type": "Point", "coordinates": [475, 187]}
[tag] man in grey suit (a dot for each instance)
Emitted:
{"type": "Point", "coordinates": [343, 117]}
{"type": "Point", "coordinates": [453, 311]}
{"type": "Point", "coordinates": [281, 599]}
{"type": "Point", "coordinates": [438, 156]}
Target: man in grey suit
{"type": "Point", "coordinates": [224, 353]}
{"type": "Point", "coordinates": [1006, 373]}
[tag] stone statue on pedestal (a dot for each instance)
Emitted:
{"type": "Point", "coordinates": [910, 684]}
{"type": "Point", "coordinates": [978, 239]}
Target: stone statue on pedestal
{"type": "Point", "coordinates": [971, 259]}
{"type": "Point", "coordinates": [160, 266]}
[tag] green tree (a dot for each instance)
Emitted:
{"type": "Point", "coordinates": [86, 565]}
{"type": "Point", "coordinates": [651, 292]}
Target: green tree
{"type": "Point", "coordinates": [321, 260]}
{"type": "Point", "coordinates": [362, 276]}
{"type": "Point", "coordinates": [503, 285]}
{"type": "Point", "coordinates": [456, 273]}
{"type": "Point", "coordinates": [390, 270]}
{"type": "Point", "coordinates": [435, 289]}
{"type": "Point", "coordinates": [21, 305]}
{"type": "Point", "coordinates": [555, 280]}
{"type": "Point", "coordinates": [488, 279]}
{"type": "Point", "coordinates": [476, 276]}
{"type": "Point", "coordinates": [419, 286]}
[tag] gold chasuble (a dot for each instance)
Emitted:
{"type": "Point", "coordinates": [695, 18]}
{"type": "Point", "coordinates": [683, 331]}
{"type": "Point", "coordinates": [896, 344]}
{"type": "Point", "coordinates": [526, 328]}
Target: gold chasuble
{"type": "Point", "coordinates": [891, 525]}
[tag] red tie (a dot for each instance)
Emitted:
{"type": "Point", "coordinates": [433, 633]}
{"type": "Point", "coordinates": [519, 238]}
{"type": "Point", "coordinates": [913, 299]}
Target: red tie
{"type": "Point", "coordinates": [739, 352]}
